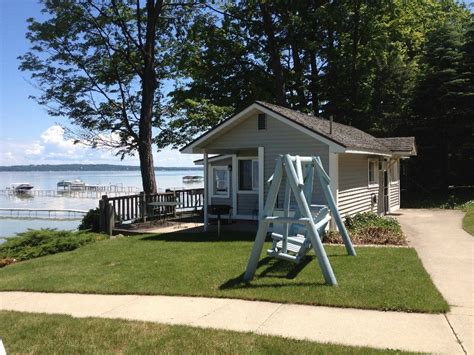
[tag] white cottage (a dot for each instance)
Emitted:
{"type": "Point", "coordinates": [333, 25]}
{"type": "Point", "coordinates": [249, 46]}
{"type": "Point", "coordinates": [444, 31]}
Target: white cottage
{"type": "Point", "coordinates": [239, 157]}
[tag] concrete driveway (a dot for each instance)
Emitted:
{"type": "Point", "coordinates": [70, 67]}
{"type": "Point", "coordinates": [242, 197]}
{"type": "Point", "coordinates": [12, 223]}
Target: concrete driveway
{"type": "Point", "coordinates": [446, 251]}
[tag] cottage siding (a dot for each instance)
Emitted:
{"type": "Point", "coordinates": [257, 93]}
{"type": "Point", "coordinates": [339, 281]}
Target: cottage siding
{"type": "Point", "coordinates": [247, 204]}
{"type": "Point", "coordinates": [278, 138]}
{"type": "Point", "coordinates": [394, 197]}
{"type": "Point", "coordinates": [220, 200]}
{"type": "Point", "coordinates": [354, 193]}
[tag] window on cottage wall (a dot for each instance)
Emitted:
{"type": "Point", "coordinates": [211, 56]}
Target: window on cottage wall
{"type": "Point", "coordinates": [394, 176]}
{"type": "Point", "coordinates": [262, 122]}
{"type": "Point", "coordinates": [373, 172]}
{"type": "Point", "coordinates": [248, 175]}
{"type": "Point", "coordinates": [221, 181]}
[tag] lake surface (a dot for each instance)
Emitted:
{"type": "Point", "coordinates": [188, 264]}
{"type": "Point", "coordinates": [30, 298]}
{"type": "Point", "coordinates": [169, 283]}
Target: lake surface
{"type": "Point", "coordinates": [47, 181]}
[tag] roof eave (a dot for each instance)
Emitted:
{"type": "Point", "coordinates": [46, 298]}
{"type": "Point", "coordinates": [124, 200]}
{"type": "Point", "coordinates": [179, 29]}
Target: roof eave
{"type": "Point", "coordinates": [368, 152]}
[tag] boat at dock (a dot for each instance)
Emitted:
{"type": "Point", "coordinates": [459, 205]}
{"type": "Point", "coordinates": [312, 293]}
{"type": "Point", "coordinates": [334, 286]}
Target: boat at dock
{"type": "Point", "coordinates": [71, 185]}
{"type": "Point", "coordinates": [21, 187]}
{"type": "Point", "coordinates": [190, 178]}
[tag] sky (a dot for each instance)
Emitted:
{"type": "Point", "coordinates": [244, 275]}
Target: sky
{"type": "Point", "coordinates": [28, 135]}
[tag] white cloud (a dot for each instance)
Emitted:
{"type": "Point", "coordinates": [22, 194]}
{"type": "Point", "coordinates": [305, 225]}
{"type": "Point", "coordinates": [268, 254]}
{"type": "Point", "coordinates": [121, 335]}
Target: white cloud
{"type": "Point", "coordinates": [53, 148]}
{"type": "Point", "coordinates": [54, 135]}
{"type": "Point", "coordinates": [34, 149]}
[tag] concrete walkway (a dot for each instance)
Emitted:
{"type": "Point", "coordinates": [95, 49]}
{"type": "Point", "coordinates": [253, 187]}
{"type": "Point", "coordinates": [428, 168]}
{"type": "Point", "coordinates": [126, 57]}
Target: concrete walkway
{"type": "Point", "coordinates": [447, 253]}
{"type": "Point", "coordinates": [395, 330]}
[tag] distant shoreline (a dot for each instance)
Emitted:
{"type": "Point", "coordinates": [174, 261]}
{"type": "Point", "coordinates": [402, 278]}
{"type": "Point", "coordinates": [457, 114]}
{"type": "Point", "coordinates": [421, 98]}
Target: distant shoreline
{"type": "Point", "coordinates": [89, 167]}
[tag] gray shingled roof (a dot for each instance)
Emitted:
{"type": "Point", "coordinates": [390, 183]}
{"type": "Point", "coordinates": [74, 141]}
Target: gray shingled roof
{"type": "Point", "coordinates": [347, 136]}
{"type": "Point", "coordinates": [399, 144]}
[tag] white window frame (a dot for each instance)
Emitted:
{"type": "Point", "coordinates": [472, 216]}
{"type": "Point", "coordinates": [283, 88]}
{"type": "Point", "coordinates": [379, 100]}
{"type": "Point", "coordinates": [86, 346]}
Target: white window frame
{"type": "Point", "coordinates": [375, 161]}
{"type": "Point", "coordinates": [214, 193]}
{"type": "Point", "coordinates": [254, 188]}
{"type": "Point", "coordinates": [394, 169]}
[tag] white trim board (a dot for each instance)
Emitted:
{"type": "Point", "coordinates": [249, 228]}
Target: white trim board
{"type": "Point", "coordinates": [351, 151]}
{"type": "Point", "coordinates": [212, 159]}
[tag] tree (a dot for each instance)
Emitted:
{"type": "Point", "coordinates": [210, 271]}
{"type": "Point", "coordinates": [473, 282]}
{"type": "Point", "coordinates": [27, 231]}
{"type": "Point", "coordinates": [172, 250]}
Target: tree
{"type": "Point", "coordinates": [103, 64]}
{"type": "Point", "coordinates": [355, 60]}
{"type": "Point", "coordinates": [443, 105]}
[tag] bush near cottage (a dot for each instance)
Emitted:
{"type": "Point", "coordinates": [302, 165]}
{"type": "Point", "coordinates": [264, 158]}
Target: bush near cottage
{"type": "Point", "coordinates": [91, 221]}
{"type": "Point", "coordinates": [35, 243]}
{"type": "Point", "coordinates": [369, 228]}
{"type": "Point", "coordinates": [468, 220]}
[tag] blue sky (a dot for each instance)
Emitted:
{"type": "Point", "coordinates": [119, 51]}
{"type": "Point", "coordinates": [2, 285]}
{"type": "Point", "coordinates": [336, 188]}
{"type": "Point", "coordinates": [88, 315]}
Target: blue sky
{"type": "Point", "coordinates": [27, 134]}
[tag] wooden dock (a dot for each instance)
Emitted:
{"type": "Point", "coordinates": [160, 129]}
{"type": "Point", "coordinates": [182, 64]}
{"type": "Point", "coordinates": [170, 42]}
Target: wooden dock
{"type": "Point", "coordinates": [96, 193]}
{"type": "Point", "coordinates": [38, 212]}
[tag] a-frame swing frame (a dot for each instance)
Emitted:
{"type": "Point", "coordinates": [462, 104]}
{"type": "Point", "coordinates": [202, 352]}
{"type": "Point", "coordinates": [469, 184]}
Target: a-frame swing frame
{"type": "Point", "coordinates": [302, 187]}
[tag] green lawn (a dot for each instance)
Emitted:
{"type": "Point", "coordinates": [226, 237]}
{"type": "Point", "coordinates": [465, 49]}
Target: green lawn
{"type": "Point", "coordinates": [202, 265]}
{"type": "Point", "coordinates": [468, 221]}
{"type": "Point", "coordinates": [57, 334]}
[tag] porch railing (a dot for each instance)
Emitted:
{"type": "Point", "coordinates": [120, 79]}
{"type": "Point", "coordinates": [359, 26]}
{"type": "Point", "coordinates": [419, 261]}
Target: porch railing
{"type": "Point", "coordinates": [133, 208]}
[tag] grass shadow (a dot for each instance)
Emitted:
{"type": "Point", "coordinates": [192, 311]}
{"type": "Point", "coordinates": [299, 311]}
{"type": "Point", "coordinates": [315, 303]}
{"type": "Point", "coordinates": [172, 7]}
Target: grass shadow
{"type": "Point", "coordinates": [202, 237]}
{"type": "Point", "coordinates": [274, 269]}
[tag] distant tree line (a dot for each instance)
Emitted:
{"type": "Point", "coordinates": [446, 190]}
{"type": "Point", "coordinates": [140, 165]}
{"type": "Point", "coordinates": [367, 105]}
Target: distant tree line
{"type": "Point", "coordinates": [392, 68]}
{"type": "Point", "coordinates": [87, 167]}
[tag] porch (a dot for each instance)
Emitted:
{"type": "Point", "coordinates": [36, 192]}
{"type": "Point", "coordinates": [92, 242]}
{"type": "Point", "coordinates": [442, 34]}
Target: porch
{"type": "Point", "coordinates": [233, 178]}
{"type": "Point", "coordinates": [147, 211]}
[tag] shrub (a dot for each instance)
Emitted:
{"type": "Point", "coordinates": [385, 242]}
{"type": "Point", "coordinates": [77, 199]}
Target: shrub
{"type": "Point", "coordinates": [35, 243]}
{"type": "Point", "coordinates": [369, 228]}
{"type": "Point", "coordinates": [91, 221]}
{"type": "Point", "coordinates": [469, 205]}
{"type": "Point", "coordinates": [366, 220]}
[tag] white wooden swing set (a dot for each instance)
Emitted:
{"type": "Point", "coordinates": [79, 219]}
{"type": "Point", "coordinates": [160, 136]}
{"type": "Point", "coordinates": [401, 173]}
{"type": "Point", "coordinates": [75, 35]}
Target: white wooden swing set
{"type": "Point", "coordinates": [296, 232]}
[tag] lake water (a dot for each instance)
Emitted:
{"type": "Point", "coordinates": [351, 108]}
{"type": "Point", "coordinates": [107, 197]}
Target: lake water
{"type": "Point", "coordinates": [48, 180]}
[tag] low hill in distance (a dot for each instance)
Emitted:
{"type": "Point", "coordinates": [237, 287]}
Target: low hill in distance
{"type": "Point", "coordinates": [89, 167]}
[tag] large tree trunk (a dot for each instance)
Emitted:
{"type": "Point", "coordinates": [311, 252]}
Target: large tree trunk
{"type": "Point", "coordinates": [147, 167]}
{"type": "Point", "coordinates": [355, 52]}
{"type": "Point", "coordinates": [149, 85]}
{"type": "Point", "coordinates": [313, 85]}
{"type": "Point", "coordinates": [274, 54]}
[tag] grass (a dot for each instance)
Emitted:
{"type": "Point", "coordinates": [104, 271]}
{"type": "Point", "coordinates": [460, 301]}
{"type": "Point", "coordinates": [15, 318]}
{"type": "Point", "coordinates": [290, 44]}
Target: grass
{"type": "Point", "coordinates": [203, 265]}
{"type": "Point", "coordinates": [468, 220]}
{"type": "Point", "coordinates": [59, 334]}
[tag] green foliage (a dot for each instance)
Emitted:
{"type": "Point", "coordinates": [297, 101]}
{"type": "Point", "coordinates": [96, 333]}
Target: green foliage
{"type": "Point", "coordinates": [454, 198]}
{"type": "Point", "coordinates": [365, 220]}
{"type": "Point", "coordinates": [91, 221]}
{"type": "Point", "coordinates": [443, 107]}
{"type": "Point", "coordinates": [190, 118]}
{"type": "Point", "coordinates": [371, 64]}
{"type": "Point", "coordinates": [468, 221]}
{"type": "Point", "coordinates": [35, 243]}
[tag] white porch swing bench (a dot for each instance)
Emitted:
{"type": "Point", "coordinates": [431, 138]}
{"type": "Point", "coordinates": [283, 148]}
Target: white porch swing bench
{"type": "Point", "coordinates": [296, 232]}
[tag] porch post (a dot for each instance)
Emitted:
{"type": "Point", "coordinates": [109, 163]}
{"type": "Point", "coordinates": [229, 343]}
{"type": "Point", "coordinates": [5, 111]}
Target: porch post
{"type": "Point", "coordinates": [261, 181]}
{"type": "Point", "coordinates": [334, 183]}
{"type": "Point", "coordinates": [206, 191]}
{"type": "Point", "coordinates": [234, 185]}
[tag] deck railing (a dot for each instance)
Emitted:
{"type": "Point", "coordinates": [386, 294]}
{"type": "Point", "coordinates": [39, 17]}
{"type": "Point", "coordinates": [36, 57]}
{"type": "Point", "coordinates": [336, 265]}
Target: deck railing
{"type": "Point", "coordinates": [132, 208]}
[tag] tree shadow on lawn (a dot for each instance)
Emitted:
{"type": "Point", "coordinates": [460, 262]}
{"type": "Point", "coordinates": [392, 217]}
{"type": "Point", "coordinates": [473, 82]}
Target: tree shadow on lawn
{"type": "Point", "coordinates": [273, 269]}
{"type": "Point", "coordinates": [202, 237]}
